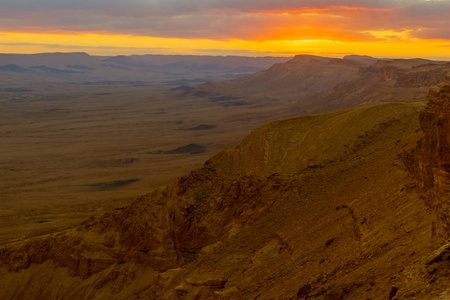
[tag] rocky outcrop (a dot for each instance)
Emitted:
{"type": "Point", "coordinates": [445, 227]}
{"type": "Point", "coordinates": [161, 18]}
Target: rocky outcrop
{"type": "Point", "coordinates": [432, 161]}
{"type": "Point", "coordinates": [294, 145]}
{"type": "Point", "coordinates": [303, 76]}
{"type": "Point", "coordinates": [433, 151]}
{"type": "Point", "coordinates": [391, 80]}
{"type": "Point", "coordinates": [414, 73]}
{"type": "Point", "coordinates": [163, 230]}
{"type": "Point", "coordinates": [310, 84]}
{"type": "Point", "coordinates": [304, 207]}
{"type": "Point", "coordinates": [428, 277]}
{"type": "Point", "coordinates": [425, 76]}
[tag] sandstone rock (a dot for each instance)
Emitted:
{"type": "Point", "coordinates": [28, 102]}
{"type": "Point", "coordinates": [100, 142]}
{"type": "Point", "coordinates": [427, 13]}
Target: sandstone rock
{"type": "Point", "coordinates": [432, 161]}
{"type": "Point", "coordinates": [226, 293]}
{"type": "Point", "coordinates": [433, 151]}
{"type": "Point", "coordinates": [268, 230]}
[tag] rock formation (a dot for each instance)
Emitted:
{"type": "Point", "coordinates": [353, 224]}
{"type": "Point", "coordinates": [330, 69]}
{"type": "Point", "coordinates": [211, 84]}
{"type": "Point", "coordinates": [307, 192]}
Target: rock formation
{"type": "Point", "coordinates": [319, 207]}
{"type": "Point", "coordinates": [428, 277]}
{"type": "Point", "coordinates": [433, 150]}
{"type": "Point", "coordinates": [310, 84]}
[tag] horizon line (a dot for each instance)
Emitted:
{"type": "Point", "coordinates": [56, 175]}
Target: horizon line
{"type": "Point", "coordinates": [234, 55]}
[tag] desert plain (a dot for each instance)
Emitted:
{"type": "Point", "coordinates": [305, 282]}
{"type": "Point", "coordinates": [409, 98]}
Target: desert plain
{"type": "Point", "coordinates": [73, 152]}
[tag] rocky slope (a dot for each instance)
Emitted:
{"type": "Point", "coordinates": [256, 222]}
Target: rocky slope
{"type": "Point", "coordinates": [385, 80]}
{"type": "Point", "coordinates": [428, 278]}
{"type": "Point", "coordinates": [310, 84]}
{"type": "Point", "coordinates": [434, 149]}
{"type": "Point", "coordinates": [322, 207]}
{"type": "Point", "coordinates": [303, 76]}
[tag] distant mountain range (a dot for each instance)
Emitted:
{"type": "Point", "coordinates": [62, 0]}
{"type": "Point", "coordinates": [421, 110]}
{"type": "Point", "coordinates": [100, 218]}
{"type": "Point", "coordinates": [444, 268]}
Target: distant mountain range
{"type": "Point", "coordinates": [304, 84]}
{"type": "Point", "coordinates": [312, 84]}
{"type": "Point", "coordinates": [345, 205]}
{"type": "Point", "coordinates": [19, 69]}
{"type": "Point", "coordinates": [350, 204]}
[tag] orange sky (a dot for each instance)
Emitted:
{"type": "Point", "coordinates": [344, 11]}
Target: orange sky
{"type": "Point", "coordinates": [335, 30]}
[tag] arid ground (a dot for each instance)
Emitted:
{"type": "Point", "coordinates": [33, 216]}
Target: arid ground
{"type": "Point", "coordinates": [73, 152]}
{"type": "Point", "coordinates": [118, 190]}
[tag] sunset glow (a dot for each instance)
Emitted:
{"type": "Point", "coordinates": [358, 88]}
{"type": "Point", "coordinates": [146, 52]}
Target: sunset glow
{"type": "Point", "coordinates": [254, 29]}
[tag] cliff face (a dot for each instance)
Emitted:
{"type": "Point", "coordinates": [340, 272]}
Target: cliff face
{"type": "Point", "coordinates": [313, 207]}
{"type": "Point", "coordinates": [164, 230]}
{"type": "Point", "coordinates": [430, 274]}
{"type": "Point", "coordinates": [305, 207]}
{"type": "Point", "coordinates": [415, 73]}
{"type": "Point", "coordinates": [309, 84]}
{"type": "Point", "coordinates": [432, 161]}
{"type": "Point", "coordinates": [302, 76]}
{"type": "Point", "coordinates": [289, 146]}
{"type": "Point", "coordinates": [433, 151]}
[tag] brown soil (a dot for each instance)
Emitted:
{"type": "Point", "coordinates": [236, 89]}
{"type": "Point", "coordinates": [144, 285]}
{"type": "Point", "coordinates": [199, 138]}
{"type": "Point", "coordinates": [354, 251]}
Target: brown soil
{"type": "Point", "coordinates": [62, 150]}
{"type": "Point", "coordinates": [338, 223]}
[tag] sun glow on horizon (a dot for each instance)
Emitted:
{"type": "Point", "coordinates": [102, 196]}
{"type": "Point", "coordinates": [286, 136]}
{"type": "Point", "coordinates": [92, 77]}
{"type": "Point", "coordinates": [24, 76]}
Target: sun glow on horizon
{"type": "Point", "coordinates": [328, 28]}
{"type": "Point", "coordinates": [386, 43]}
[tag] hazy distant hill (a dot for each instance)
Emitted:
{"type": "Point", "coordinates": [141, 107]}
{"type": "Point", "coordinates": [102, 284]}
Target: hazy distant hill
{"type": "Point", "coordinates": [202, 63]}
{"type": "Point", "coordinates": [22, 69]}
{"type": "Point", "coordinates": [385, 80]}
{"type": "Point", "coordinates": [350, 204]}
{"type": "Point", "coordinates": [314, 84]}
{"type": "Point", "coordinates": [302, 76]}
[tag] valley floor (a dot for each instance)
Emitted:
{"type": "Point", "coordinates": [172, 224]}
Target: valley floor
{"type": "Point", "coordinates": [72, 152]}
{"type": "Point", "coordinates": [341, 222]}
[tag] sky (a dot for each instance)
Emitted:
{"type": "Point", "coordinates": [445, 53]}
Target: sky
{"type": "Point", "coordinates": [380, 28]}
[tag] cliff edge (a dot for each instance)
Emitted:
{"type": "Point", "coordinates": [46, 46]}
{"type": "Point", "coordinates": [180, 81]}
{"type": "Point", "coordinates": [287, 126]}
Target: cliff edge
{"type": "Point", "coordinates": [321, 207]}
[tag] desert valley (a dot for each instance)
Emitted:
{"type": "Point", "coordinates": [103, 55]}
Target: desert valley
{"type": "Point", "coordinates": [224, 177]}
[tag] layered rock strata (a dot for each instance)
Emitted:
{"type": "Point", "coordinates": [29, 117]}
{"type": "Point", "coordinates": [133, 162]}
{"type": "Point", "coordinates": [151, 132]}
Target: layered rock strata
{"type": "Point", "coordinates": [433, 151]}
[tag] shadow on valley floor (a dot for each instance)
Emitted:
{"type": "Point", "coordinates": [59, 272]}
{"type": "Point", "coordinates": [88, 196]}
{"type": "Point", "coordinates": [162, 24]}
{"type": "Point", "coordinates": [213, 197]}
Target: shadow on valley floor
{"type": "Point", "coordinates": [112, 184]}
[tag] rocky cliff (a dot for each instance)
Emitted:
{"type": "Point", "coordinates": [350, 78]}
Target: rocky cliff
{"type": "Point", "coordinates": [433, 151]}
{"type": "Point", "coordinates": [414, 73]}
{"type": "Point", "coordinates": [310, 84]}
{"type": "Point", "coordinates": [428, 277]}
{"type": "Point", "coordinates": [320, 207]}
{"type": "Point", "coordinates": [432, 163]}
{"type": "Point", "coordinates": [303, 76]}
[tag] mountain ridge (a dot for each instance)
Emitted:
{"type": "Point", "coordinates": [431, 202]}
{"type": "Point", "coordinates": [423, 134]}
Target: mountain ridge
{"type": "Point", "coordinates": [309, 84]}
{"type": "Point", "coordinates": [231, 231]}
{"type": "Point", "coordinates": [348, 204]}
{"type": "Point", "coordinates": [79, 68]}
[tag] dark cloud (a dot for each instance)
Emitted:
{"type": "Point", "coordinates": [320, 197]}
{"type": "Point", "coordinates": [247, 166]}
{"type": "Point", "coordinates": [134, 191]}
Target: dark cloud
{"type": "Point", "coordinates": [428, 8]}
{"type": "Point", "coordinates": [179, 6]}
{"type": "Point", "coordinates": [433, 33]}
{"type": "Point", "coordinates": [247, 5]}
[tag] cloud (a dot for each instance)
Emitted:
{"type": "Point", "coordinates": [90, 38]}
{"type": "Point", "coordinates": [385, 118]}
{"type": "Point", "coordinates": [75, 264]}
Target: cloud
{"type": "Point", "coordinates": [62, 46]}
{"type": "Point", "coordinates": [178, 6]}
{"type": "Point", "coordinates": [93, 50]}
{"type": "Point", "coordinates": [119, 50]}
{"type": "Point", "coordinates": [428, 8]}
{"type": "Point", "coordinates": [433, 33]}
{"type": "Point", "coordinates": [342, 20]}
